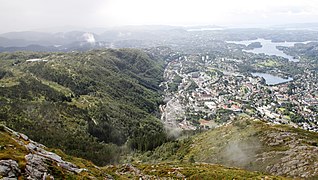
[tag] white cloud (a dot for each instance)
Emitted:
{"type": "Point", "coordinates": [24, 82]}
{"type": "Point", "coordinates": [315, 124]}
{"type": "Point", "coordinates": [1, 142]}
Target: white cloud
{"type": "Point", "coordinates": [89, 37]}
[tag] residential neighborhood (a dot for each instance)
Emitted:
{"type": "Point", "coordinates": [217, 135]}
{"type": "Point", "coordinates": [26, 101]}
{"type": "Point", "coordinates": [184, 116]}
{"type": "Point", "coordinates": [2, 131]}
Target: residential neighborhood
{"type": "Point", "coordinates": [202, 92]}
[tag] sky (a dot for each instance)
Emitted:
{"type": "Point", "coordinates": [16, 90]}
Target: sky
{"type": "Point", "coordinates": [22, 15]}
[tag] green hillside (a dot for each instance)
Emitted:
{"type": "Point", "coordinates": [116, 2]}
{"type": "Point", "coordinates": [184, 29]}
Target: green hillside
{"type": "Point", "coordinates": [93, 104]}
{"type": "Point", "coordinates": [22, 158]}
{"type": "Point", "coordinates": [249, 144]}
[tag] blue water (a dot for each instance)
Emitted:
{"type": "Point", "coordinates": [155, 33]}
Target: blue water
{"type": "Point", "coordinates": [272, 80]}
{"type": "Point", "coordinates": [269, 47]}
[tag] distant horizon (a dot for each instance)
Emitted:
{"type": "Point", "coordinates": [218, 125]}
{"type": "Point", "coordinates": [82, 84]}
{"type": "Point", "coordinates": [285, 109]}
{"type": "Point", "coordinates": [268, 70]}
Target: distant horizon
{"type": "Point", "coordinates": [34, 15]}
{"type": "Point", "coordinates": [58, 29]}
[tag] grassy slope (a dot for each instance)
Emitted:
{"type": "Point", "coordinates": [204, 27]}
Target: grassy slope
{"type": "Point", "coordinates": [11, 149]}
{"type": "Point", "coordinates": [250, 144]}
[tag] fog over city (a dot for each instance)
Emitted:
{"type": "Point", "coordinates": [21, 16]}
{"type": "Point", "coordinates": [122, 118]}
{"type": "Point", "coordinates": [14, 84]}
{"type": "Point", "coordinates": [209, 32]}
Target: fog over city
{"type": "Point", "coordinates": [16, 15]}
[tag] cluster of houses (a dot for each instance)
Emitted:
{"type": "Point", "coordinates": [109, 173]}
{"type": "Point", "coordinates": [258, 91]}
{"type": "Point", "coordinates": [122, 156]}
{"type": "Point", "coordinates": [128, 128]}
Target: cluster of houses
{"type": "Point", "coordinates": [217, 88]}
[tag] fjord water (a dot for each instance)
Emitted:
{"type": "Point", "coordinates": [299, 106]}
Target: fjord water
{"type": "Point", "coordinates": [269, 47]}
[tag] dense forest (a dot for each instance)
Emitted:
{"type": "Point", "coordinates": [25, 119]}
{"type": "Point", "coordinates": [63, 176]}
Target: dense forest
{"type": "Point", "coordinates": [96, 104]}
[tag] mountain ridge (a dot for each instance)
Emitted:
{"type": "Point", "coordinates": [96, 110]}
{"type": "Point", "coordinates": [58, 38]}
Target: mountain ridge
{"type": "Point", "coordinates": [23, 158]}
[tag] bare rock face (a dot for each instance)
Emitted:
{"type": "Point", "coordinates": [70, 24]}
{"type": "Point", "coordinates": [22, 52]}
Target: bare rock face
{"type": "Point", "coordinates": [36, 168]}
{"type": "Point", "coordinates": [297, 162]}
{"type": "Point", "coordinates": [41, 154]}
{"type": "Point", "coordinates": [294, 158]}
{"type": "Point", "coordinates": [9, 169]}
{"type": "Point", "coordinates": [37, 161]}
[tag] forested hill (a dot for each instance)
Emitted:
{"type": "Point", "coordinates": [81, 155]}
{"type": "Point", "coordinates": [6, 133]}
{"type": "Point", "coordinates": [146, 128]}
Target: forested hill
{"type": "Point", "coordinates": [89, 104]}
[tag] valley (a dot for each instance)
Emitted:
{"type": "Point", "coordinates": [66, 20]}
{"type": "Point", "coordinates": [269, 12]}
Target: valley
{"type": "Point", "coordinates": [158, 90]}
{"type": "Point", "coordinates": [172, 104]}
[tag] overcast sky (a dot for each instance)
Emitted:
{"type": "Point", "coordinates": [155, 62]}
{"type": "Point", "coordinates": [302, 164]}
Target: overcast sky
{"type": "Point", "coordinates": [19, 15]}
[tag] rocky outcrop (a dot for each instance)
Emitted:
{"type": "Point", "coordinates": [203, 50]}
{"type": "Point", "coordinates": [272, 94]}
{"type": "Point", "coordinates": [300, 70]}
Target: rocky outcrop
{"type": "Point", "coordinates": [9, 169]}
{"type": "Point", "coordinates": [297, 162]}
{"type": "Point", "coordinates": [36, 168]}
{"type": "Point", "coordinates": [37, 152]}
{"type": "Point", "coordinates": [295, 157]}
{"type": "Point", "coordinates": [38, 160]}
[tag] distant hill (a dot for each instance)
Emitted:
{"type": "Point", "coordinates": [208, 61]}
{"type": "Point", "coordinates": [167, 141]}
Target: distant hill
{"type": "Point", "coordinates": [299, 26]}
{"type": "Point", "coordinates": [27, 35]}
{"type": "Point", "coordinates": [6, 42]}
{"type": "Point", "coordinates": [180, 38]}
{"type": "Point", "coordinates": [26, 38]}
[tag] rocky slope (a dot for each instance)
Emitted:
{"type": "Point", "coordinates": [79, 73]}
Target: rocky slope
{"type": "Point", "coordinates": [22, 158]}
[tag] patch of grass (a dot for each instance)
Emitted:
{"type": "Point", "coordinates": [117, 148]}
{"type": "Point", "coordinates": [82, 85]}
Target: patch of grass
{"type": "Point", "coordinates": [199, 171]}
{"type": "Point", "coordinates": [269, 63]}
{"type": "Point", "coordinates": [10, 149]}
{"type": "Point", "coordinates": [93, 170]}
{"type": "Point", "coordinates": [57, 87]}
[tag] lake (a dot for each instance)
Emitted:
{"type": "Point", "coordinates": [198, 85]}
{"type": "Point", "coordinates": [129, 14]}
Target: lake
{"type": "Point", "coordinates": [269, 47]}
{"type": "Point", "coordinates": [272, 80]}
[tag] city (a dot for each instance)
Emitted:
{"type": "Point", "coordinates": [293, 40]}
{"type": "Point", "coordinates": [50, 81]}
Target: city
{"type": "Point", "coordinates": [205, 92]}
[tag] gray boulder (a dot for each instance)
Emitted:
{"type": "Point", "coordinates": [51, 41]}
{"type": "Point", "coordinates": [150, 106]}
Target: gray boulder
{"type": "Point", "coordinates": [9, 169]}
